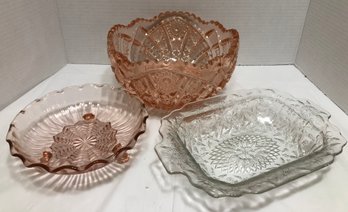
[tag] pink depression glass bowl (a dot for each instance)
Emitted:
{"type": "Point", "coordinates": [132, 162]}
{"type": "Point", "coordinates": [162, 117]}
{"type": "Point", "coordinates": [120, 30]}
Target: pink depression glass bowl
{"type": "Point", "coordinates": [77, 129]}
{"type": "Point", "coordinates": [173, 58]}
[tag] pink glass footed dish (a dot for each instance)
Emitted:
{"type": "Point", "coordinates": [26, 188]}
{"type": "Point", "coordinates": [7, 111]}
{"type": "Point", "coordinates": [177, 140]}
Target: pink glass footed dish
{"type": "Point", "coordinates": [77, 129]}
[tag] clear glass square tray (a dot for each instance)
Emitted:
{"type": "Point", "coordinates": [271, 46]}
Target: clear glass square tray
{"type": "Point", "coordinates": [247, 142]}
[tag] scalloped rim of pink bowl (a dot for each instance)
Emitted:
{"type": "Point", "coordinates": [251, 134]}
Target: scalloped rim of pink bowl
{"type": "Point", "coordinates": [81, 169]}
{"type": "Point", "coordinates": [112, 52]}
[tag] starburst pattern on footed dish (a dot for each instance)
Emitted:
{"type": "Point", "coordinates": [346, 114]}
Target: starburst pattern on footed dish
{"type": "Point", "coordinates": [86, 141]}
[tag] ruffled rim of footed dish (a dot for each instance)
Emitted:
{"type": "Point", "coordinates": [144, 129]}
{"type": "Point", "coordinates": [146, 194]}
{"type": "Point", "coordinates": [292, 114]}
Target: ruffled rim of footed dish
{"type": "Point", "coordinates": [78, 169]}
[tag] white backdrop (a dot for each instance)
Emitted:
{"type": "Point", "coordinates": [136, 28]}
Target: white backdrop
{"type": "Point", "coordinates": [31, 45]}
{"type": "Point", "coordinates": [322, 54]}
{"type": "Point", "coordinates": [38, 37]}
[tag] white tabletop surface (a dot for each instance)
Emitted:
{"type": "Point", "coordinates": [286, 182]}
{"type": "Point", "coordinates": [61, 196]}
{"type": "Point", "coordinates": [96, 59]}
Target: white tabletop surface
{"type": "Point", "coordinates": [144, 185]}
